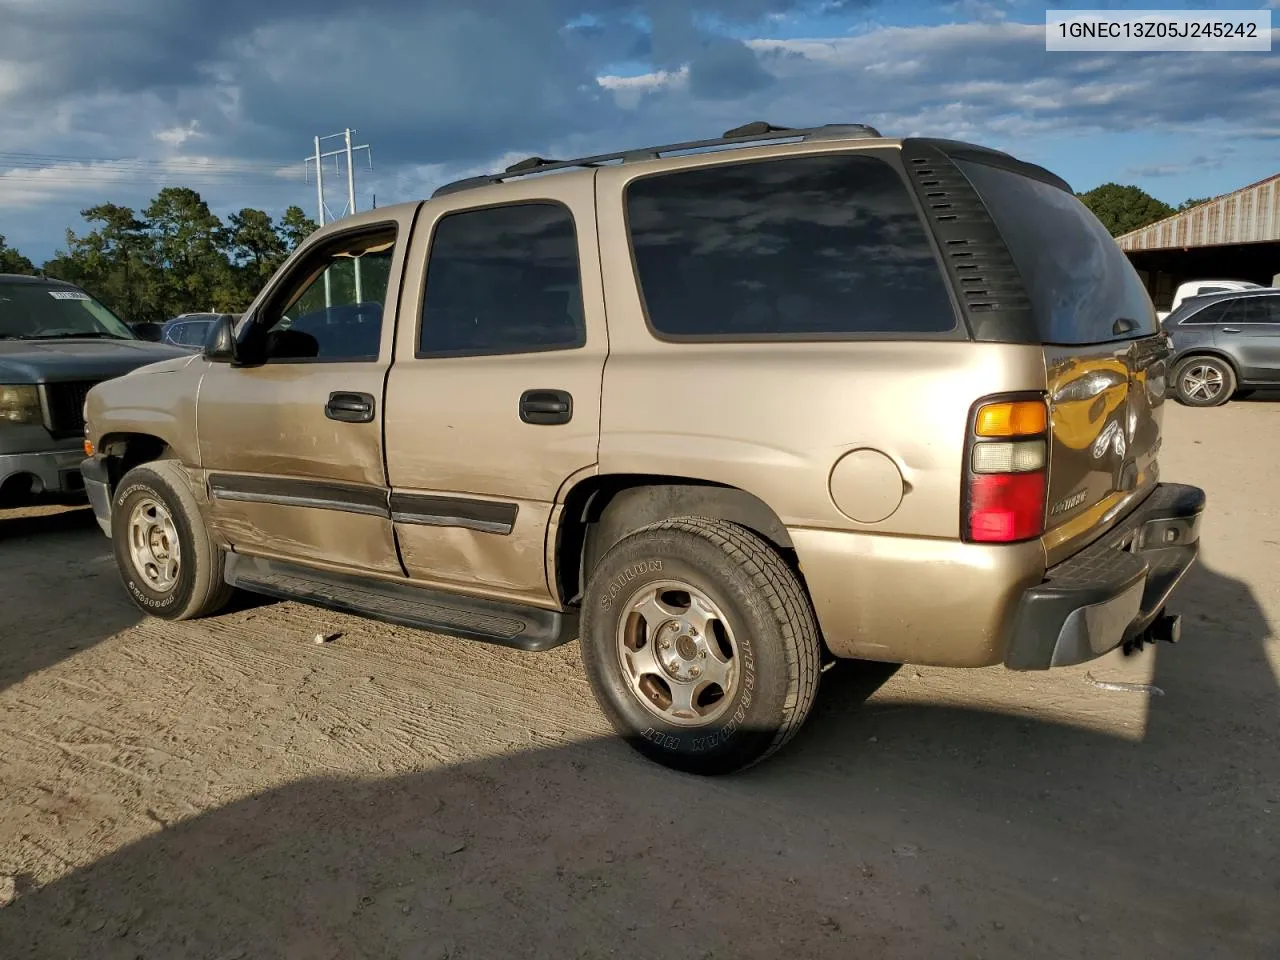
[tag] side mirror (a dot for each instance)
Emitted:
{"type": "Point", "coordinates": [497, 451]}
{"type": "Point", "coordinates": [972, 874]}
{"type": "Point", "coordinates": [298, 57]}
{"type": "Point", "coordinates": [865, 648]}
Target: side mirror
{"type": "Point", "coordinates": [220, 346]}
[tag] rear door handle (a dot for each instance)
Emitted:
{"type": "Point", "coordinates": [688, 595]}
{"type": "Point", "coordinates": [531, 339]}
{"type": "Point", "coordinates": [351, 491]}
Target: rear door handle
{"type": "Point", "coordinates": [350, 407]}
{"type": "Point", "coordinates": [546, 406]}
{"type": "Point", "coordinates": [1230, 329]}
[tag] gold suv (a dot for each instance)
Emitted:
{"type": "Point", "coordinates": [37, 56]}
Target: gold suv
{"type": "Point", "coordinates": [724, 410]}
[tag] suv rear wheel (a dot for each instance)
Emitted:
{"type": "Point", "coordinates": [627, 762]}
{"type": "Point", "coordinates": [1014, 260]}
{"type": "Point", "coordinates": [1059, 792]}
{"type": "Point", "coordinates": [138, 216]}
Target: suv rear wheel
{"type": "Point", "coordinates": [1204, 382]}
{"type": "Point", "coordinates": [700, 645]}
{"type": "Point", "coordinates": [170, 567]}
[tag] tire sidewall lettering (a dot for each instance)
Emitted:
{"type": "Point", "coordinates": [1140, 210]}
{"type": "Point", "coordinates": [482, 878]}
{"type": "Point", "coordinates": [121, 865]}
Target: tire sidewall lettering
{"type": "Point", "coordinates": [669, 739]}
{"type": "Point", "coordinates": [143, 597]}
{"type": "Point", "coordinates": [620, 582]}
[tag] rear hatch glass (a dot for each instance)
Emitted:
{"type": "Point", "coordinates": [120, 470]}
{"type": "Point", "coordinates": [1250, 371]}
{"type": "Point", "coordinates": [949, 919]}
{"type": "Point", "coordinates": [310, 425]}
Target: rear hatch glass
{"type": "Point", "coordinates": [1104, 352]}
{"type": "Point", "coordinates": [1082, 287]}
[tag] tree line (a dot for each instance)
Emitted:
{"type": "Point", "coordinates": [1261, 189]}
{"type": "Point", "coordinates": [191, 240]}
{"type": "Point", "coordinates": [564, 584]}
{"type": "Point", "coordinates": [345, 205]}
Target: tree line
{"type": "Point", "coordinates": [1123, 208]}
{"type": "Point", "coordinates": [175, 256]}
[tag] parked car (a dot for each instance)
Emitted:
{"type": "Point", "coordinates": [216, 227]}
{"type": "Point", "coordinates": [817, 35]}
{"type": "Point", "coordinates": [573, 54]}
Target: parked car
{"type": "Point", "coordinates": [1225, 343]}
{"type": "Point", "coordinates": [147, 330]}
{"type": "Point", "coordinates": [1199, 288]}
{"type": "Point", "coordinates": [190, 330]}
{"type": "Point", "coordinates": [724, 410]}
{"type": "Point", "coordinates": [56, 342]}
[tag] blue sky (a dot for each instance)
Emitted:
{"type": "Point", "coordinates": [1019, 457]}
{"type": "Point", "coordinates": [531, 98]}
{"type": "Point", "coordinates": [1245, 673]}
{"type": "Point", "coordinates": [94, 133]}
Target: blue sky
{"type": "Point", "coordinates": [109, 102]}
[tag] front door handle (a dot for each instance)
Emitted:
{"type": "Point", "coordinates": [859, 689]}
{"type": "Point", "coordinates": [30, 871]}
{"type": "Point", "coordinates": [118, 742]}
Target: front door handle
{"type": "Point", "coordinates": [350, 407]}
{"type": "Point", "coordinates": [1230, 329]}
{"type": "Point", "coordinates": [546, 406]}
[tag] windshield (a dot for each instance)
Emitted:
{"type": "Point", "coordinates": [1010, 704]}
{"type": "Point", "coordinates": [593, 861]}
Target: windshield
{"type": "Point", "coordinates": [36, 311]}
{"type": "Point", "coordinates": [1082, 287]}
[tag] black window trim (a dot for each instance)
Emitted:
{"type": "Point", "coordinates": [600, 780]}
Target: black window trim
{"type": "Point", "coordinates": [1244, 295]}
{"type": "Point", "coordinates": [888, 156]}
{"type": "Point", "coordinates": [1238, 296]}
{"type": "Point", "coordinates": [281, 281]}
{"type": "Point", "coordinates": [583, 333]}
{"type": "Point", "coordinates": [1191, 321]}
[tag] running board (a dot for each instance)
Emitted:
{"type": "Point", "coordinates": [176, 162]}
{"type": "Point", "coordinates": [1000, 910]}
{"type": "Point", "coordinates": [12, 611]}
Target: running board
{"type": "Point", "coordinates": [510, 625]}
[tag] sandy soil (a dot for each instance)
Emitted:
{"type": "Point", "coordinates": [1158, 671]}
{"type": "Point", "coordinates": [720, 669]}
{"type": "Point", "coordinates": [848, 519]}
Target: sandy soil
{"type": "Point", "coordinates": [229, 789]}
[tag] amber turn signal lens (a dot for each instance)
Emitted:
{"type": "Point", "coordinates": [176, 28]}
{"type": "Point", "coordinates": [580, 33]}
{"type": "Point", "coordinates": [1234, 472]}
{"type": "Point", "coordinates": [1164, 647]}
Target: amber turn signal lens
{"type": "Point", "coordinates": [1021, 418]}
{"type": "Point", "coordinates": [88, 447]}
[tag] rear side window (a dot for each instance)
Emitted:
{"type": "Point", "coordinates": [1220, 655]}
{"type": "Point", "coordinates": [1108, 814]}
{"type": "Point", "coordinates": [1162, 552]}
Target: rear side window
{"type": "Point", "coordinates": [1272, 308]}
{"type": "Point", "coordinates": [816, 247]}
{"type": "Point", "coordinates": [1253, 310]}
{"type": "Point", "coordinates": [1082, 287]}
{"type": "Point", "coordinates": [1210, 314]}
{"type": "Point", "coordinates": [503, 280]}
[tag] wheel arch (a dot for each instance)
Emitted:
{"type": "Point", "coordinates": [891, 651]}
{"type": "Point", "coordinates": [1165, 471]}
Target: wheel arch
{"type": "Point", "coordinates": [1217, 353]}
{"type": "Point", "coordinates": [125, 450]}
{"type": "Point", "coordinates": [602, 509]}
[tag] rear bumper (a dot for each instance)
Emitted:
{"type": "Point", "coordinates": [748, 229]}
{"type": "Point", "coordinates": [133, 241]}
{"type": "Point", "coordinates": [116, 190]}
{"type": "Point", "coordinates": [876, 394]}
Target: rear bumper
{"type": "Point", "coordinates": [1113, 590]}
{"type": "Point", "coordinates": [97, 485]}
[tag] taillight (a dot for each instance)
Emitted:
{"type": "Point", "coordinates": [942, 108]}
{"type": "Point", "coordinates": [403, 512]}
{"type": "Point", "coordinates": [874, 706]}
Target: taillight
{"type": "Point", "coordinates": [1006, 467]}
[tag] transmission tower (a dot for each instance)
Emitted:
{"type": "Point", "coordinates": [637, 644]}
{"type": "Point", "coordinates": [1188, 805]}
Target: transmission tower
{"type": "Point", "coordinates": [323, 213]}
{"type": "Point", "coordinates": [318, 158]}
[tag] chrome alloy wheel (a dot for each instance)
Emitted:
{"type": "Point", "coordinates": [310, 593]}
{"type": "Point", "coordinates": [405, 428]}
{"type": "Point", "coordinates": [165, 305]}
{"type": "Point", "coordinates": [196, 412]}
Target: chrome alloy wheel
{"type": "Point", "coordinates": [678, 653]}
{"type": "Point", "coordinates": [1201, 381]}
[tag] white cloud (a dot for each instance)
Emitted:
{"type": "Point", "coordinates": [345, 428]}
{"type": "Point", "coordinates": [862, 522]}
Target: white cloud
{"type": "Point", "coordinates": [628, 91]}
{"type": "Point", "coordinates": [35, 183]}
{"type": "Point", "coordinates": [978, 79]}
{"type": "Point", "coordinates": [986, 11]}
{"type": "Point", "coordinates": [25, 187]}
{"type": "Point", "coordinates": [177, 136]}
{"type": "Point", "coordinates": [441, 90]}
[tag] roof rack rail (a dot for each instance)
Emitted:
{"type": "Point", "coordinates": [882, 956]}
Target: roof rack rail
{"type": "Point", "coordinates": [756, 132]}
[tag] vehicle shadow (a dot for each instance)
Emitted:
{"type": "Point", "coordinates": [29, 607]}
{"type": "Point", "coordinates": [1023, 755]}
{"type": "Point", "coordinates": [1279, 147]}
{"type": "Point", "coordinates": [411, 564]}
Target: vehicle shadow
{"type": "Point", "coordinates": [37, 549]}
{"type": "Point", "coordinates": [1261, 395]}
{"type": "Point", "coordinates": [890, 828]}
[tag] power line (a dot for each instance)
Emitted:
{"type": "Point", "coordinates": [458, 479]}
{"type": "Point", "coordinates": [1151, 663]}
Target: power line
{"type": "Point", "coordinates": [182, 179]}
{"type": "Point", "coordinates": [221, 164]}
{"type": "Point", "coordinates": [56, 170]}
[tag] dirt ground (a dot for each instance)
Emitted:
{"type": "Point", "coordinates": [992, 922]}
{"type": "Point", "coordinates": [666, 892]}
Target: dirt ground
{"type": "Point", "coordinates": [230, 789]}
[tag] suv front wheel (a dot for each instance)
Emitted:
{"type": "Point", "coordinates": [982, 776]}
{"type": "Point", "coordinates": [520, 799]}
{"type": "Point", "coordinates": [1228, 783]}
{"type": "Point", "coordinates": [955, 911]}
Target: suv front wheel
{"type": "Point", "coordinates": [169, 565]}
{"type": "Point", "coordinates": [700, 645]}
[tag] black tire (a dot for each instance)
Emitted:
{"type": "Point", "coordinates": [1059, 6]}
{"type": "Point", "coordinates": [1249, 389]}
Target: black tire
{"type": "Point", "coordinates": [1185, 382]}
{"type": "Point", "coordinates": [773, 625]}
{"type": "Point", "coordinates": [199, 587]}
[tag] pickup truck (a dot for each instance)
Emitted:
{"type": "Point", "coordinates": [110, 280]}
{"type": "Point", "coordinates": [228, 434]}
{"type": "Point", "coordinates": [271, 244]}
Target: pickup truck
{"type": "Point", "coordinates": [56, 342]}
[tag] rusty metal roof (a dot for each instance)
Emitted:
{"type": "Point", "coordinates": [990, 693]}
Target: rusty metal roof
{"type": "Point", "coordinates": [1249, 215]}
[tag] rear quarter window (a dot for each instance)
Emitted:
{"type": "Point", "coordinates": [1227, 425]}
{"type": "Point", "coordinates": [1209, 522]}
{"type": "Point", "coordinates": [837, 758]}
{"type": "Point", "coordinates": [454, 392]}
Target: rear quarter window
{"type": "Point", "coordinates": [1213, 313]}
{"type": "Point", "coordinates": [1083, 289]}
{"type": "Point", "coordinates": [815, 247]}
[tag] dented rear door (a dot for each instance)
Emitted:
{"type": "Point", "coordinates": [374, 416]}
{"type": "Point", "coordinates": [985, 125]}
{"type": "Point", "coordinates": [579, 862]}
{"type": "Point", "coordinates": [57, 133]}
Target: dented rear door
{"type": "Point", "coordinates": [1105, 414]}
